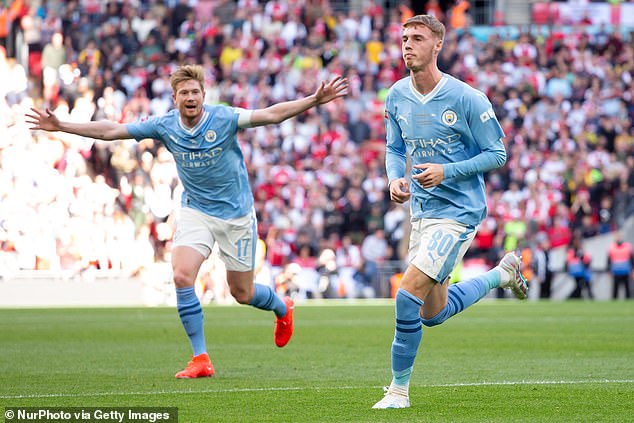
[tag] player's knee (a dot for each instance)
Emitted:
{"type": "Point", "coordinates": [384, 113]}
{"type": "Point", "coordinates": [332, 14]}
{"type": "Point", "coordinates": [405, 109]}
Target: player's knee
{"type": "Point", "coordinates": [242, 296]}
{"type": "Point", "coordinates": [182, 279]}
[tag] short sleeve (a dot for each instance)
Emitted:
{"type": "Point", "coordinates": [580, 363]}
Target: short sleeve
{"type": "Point", "coordinates": [144, 128]}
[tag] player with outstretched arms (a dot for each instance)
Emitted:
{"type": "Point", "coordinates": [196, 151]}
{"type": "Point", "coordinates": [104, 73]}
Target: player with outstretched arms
{"type": "Point", "coordinates": [217, 200]}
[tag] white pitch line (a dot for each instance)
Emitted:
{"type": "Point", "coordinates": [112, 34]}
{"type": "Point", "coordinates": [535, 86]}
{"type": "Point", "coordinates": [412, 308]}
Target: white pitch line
{"type": "Point", "coordinates": [329, 388]}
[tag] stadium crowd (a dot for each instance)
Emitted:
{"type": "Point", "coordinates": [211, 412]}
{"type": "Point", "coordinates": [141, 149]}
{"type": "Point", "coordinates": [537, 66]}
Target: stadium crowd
{"type": "Point", "coordinates": [564, 98]}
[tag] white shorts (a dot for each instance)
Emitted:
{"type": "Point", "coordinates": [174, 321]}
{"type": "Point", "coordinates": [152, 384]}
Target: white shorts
{"type": "Point", "coordinates": [236, 238]}
{"type": "Point", "coordinates": [436, 246]}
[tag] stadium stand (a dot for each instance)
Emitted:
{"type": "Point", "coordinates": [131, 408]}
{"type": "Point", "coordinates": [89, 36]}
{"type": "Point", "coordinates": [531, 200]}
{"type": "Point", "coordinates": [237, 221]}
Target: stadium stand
{"type": "Point", "coordinates": [564, 95]}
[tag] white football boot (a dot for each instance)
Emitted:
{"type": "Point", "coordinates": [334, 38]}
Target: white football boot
{"type": "Point", "coordinates": [392, 399]}
{"type": "Point", "coordinates": [511, 264]}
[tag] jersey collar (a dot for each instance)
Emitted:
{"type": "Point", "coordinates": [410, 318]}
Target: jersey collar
{"type": "Point", "coordinates": [425, 98]}
{"type": "Point", "coordinates": [192, 131]}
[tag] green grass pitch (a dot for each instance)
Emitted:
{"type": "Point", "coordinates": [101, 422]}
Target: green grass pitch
{"type": "Point", "coordinates": [499, 361]}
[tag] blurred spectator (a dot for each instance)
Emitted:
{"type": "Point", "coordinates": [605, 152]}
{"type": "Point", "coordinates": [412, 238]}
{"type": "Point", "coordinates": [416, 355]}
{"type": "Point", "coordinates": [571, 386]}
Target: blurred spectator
{"type": "Point", "coordinates": [286, 283]}
{"type": "Point", "coordinates": [578, 266]}
{"type": "Point", "coordinates": [329, 286]}
{"type": "Point", "coordinates": [620, 261]}
{"type": "Point", "coordinates": [393, 226]}
{"type": "Point", "coordinates": [433, 8]}
{"type": "Point", "coordinates": [89, 59]}
{"type": "Point", "coordinates": [542, 271]}
{"type": "Point", "coordinates": [350, 265]}
{"type": "Point", "coordinates": [458, 18]}
{"type": "Point", "coordinates": [374, 250]}
{"type": "Point", "coordinates": [278, 250]}
{"type": "Point", "coordinates": [16, 74]}
{"type": "Point", "coordinates": [53, 57]}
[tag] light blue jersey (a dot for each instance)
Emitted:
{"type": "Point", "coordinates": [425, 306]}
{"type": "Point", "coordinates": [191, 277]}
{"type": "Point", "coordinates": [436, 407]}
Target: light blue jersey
{"type": "Point", "coordinates": [208, 158]}
{"type": "Point", "coordinates": [454, 125]}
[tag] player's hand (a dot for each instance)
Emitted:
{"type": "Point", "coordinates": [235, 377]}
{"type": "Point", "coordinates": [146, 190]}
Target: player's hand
{"type": "Point", "coordinates": [338, 87]}
{"type": "Point", "coordinates": [399, 190]}
{"type": "Point", "coordinates": [432, 174]}
{"type": "Point", "coordinates": [43, 120]}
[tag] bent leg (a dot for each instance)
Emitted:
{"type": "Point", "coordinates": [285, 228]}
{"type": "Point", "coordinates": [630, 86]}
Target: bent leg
{"type": "Point", "coordinates": [259, 296]}
{"type": "Point", "coordinates": [435, 246]}
{"type": "Point", "coordinates": [453, 299]}
{"type": "Point", "coordinates": [186, 262]}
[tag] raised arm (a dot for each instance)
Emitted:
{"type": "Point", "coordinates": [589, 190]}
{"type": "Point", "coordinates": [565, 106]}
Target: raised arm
{"type": "Point", "coordinates": [281, 111]}
{"type": "Point", "coordinates": [102, 130]}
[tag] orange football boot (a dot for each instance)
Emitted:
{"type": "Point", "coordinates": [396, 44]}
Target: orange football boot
{"type": "Point", "coordinates": [199, 366]}
{"type": "Point", "coordinates": [284, 325]}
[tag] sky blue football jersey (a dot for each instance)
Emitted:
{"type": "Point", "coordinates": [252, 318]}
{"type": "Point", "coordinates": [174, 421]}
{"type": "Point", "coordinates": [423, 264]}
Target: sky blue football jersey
{"type": "Point", "coordinates": [453, 125]}
{"type": "Point", "coordinates": [208, 159]}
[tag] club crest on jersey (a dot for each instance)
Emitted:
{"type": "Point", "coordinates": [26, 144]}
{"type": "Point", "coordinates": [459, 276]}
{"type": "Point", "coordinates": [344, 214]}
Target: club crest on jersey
{"type": "Point", "coordinates": [210, 136]}
{"type": "Point", "coordinates": [449, 117]}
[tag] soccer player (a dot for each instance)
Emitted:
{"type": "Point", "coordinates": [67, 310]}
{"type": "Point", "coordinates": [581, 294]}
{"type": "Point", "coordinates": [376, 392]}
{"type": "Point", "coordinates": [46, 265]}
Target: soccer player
{"type": "Point", "coordinates": [452, 136]}
{"type": "Point", "coordinates": [217, 200]}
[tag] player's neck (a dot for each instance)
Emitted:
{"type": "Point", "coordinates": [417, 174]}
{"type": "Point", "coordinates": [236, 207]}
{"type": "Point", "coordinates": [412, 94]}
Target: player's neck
{"type": "Point", "coordinates": [426, 80]}
{"type": "Point", "coordinates": [189, 123]}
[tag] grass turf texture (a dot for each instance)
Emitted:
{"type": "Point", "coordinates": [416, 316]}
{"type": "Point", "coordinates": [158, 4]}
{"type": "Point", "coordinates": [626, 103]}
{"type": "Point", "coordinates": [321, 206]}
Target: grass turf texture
{"type": "Point", "coordinates": [497, 362]}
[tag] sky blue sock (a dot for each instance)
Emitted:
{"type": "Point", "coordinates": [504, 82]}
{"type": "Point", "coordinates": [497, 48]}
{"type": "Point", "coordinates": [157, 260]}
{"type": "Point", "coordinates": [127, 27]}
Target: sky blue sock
{"type": "Point", "coordinates": [407, 337]}
{"type": "Point", "coordinates": [492, 278]}
{"type": "Point", "coordinates": [464, 294]}
{"type": "Point", "coordinates": [265, 299]}
{"type": "Point", "coordinates": [191, 314]}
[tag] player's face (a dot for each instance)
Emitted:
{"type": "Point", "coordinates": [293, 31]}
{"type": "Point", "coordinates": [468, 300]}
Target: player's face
{"type": "Point", "coordinates": [420, 47]}
{"type": "Point", "coordinates": [189, 99]}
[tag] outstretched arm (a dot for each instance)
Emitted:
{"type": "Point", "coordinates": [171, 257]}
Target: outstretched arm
{"type": "Point", "coordinates": [102, 130]}
{"type": "Point", "coordinates": [281, 111]}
